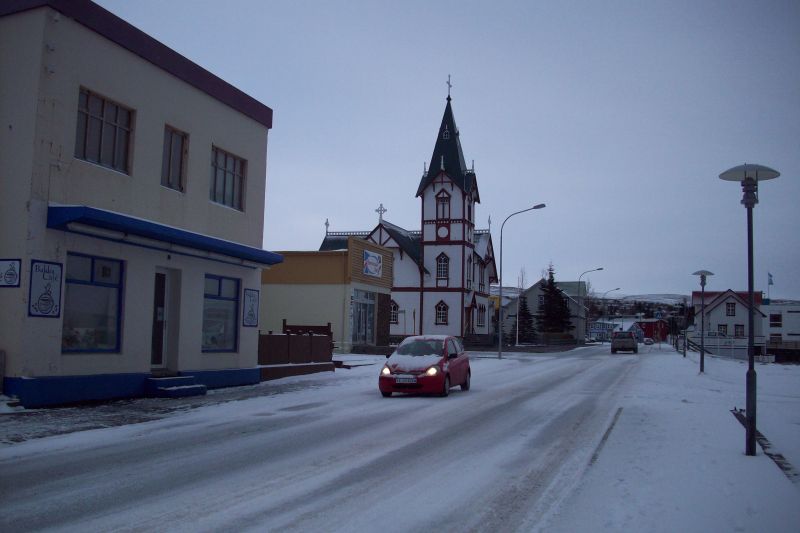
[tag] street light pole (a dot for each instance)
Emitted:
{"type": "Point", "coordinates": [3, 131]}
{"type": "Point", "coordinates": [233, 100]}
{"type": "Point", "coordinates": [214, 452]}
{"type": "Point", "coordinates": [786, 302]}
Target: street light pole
{"type": "Point", "coordinates": [604, 303]}
{"type": "Point", "coordinates": [580, 302]}
{"type": "Point", "coordinates": [702, 274]}
{"type": "Point", "coordinates": [500, 292]}
{"type": "Point", "coordinates": [749, 176]}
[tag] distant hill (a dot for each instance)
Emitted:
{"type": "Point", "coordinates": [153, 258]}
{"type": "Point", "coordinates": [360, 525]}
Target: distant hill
{"type": "Point", "coordinates": [664, 299]}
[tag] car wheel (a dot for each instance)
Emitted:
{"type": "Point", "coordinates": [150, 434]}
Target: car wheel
{"type": "Point", "coordinates": [465, 385]}
{"type": "Point", "coordinates": [446, 388]}
{"type": "Point", "coordinates": [386, 394]}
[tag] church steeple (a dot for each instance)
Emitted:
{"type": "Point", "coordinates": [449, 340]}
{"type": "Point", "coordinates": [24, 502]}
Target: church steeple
{"type": "Point", "coordinates": [447, 155]}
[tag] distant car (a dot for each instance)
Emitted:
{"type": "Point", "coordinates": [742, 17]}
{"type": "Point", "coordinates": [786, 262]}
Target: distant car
{"type": "Point", "coordinates": [625, 341]}
{"type": "Point", "coordinates": [426, 364]}
{"type": "Point", "coordinates": [648, 341]}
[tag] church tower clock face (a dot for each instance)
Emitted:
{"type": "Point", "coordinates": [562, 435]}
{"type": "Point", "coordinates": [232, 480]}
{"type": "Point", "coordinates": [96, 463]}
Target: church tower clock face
{"type": "Point", "coordinates": [443, 232]}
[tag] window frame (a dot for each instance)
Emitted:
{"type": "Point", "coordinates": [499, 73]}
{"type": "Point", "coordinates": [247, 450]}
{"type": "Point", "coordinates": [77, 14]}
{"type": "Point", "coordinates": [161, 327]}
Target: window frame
{"type": "Point", "coordinates": [738, 330]}
{"type": "Point", "coordinates": [92, 283]}
{"type": "Point", "coordinates": [443, 205]}
{"type": "Point", "coordinates": [237, 299]}
{"type": "Point", "coordinates": [167, 176]}
{"type": "Point", "coordinates": [393, 312]}
{"type": "Point", "coordinates": [730, 309]}
{"type": "Point", "coordinates": [228, 170]}
{"type": "Point", "coordinates": [442, 265]}
{"type": "Point", "coordinates": [722, 329]}
{"type": "Point", "coordinates": [83, 131]}
{"type": "Point", "coordinates": [441, 314]}
{"type": "Point", "coordinates": [776, 322]}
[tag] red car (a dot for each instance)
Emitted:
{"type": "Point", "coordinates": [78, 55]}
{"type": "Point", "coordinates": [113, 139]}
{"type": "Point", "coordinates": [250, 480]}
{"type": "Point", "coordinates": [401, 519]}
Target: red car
{"type": "Point", "coordinates": [426, 364]}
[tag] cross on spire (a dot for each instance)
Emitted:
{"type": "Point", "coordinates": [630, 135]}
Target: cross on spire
{"type": "Point", "coordinates": [381, 210]}
{"type": "Point", "coordinates": [327, 224]}
{"type": "Point", "coordinates": [449, 86]}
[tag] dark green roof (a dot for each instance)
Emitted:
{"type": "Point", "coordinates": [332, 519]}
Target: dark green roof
{"type": "Point", "coordinates": [449, 158]}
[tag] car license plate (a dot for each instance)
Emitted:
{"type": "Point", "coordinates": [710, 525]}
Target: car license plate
{"type": "Point", "coordinates": [405, 379]}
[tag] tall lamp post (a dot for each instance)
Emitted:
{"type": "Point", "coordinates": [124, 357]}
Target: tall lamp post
{"type": "Point", "coordinates": [500, 300]}
{"type": "Point", "coordinates": [604, 300]}
{"type": "Point", "coordinates": [749, 176]}
{"type": "Point", "coordinates": [580, 295]}
{"type": "Point", "coordinates": [702, 274]}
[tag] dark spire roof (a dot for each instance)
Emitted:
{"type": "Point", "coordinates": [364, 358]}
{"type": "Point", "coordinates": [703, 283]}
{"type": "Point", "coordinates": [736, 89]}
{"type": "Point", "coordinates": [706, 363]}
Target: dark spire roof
{"type": "Point", "coordinates": [448, 157]}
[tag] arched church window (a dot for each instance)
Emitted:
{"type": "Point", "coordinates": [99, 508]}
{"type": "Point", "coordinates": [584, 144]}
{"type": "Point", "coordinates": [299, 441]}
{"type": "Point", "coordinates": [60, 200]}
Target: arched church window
{"type": "Point", "coordinates": [393, 312]}
{"type": "Point", "coordinates": [442, 267]}
{"type": "Point", "coordinates": [442, 205]}
{"type": "Point", "coordinates": [441, 313]}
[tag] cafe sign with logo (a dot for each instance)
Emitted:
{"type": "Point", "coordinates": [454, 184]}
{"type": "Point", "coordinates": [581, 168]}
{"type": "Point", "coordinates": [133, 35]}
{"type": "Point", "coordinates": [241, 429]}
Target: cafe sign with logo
{"type": "Point", "coordinates": [45, 290]}
{"type": "Point", "coordinates": [9, 272]}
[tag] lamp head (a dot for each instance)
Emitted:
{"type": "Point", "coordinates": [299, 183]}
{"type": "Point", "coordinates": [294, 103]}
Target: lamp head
{"type": "Point", "coordinates": [539, 206]}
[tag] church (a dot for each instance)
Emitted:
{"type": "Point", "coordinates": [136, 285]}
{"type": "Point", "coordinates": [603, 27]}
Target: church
{"type": "Point", "coordinates": [443, 270]}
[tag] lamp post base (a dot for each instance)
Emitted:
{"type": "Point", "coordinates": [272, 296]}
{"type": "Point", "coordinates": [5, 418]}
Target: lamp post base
{"type": "Point", "coordinates": [750, 428]}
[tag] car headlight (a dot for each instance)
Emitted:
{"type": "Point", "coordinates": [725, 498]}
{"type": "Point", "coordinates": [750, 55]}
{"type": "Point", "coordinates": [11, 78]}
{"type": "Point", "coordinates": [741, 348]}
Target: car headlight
{"type": "Point", "coordinates": [385, 371]}
{"type": "Point", "coordinates": [432, 371]}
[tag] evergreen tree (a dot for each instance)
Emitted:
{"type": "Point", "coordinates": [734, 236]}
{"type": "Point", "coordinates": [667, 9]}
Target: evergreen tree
{"type": "Point", "coordinates": [527, 332]}
{"type": "Point", "coordinates": [553, 315]}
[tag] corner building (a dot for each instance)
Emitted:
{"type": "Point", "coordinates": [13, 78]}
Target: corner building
{"type": "Point", "coordinates": [132, 189]}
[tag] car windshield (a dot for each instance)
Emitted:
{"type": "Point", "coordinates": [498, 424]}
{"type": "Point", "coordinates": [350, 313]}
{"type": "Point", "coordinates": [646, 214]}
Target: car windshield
{"type": "Point", "coordinates": [421, 347]}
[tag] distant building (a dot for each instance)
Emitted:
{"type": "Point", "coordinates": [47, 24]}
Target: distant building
{"type": "Point", "coordinates": [572, 292]}
{"type": "Point", "coordinates": [726, 322]}
{"type": "Point", "coordinates": [131, 210]}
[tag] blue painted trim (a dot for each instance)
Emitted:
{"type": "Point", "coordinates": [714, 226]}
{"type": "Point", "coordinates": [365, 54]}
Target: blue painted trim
{"type": "Point", "coordinates": [229, 377]}
{"type": "Point", "coordinates": [55, 390]}
{"type": "Point", "coordinates": [19, 273]}
{"type": "Point", "coordinates": [60, 289]}
{"type": "Point", "coordinates": [59, 217]}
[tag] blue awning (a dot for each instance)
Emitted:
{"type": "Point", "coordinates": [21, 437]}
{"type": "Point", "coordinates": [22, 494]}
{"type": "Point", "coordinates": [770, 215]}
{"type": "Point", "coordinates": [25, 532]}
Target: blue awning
{"type": "Point", "coordinates": [70, 217]}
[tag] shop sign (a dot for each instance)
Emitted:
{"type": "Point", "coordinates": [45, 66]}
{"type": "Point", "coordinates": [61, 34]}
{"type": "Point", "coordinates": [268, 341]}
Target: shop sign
{"type": "Point", "coordinates": [9, 272]}
{"type": "Point", "coordinates": [45, 290]}
{"type": "Point", "coordinates": [373, 264]}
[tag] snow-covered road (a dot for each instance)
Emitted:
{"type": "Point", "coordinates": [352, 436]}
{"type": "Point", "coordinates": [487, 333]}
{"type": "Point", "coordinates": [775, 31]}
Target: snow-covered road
{"type": "Point", "coordinates": [334, 456]}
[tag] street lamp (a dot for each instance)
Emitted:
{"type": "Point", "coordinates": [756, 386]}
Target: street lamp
{"type": "Point", "coordinates": [749, 176]}
{"type": "Point", "coordinates": [500, 306]}
{"type": "Point", "coordinates": [606, 305]}
{"type": "Point", "coordinates": [580, 302]}
{"type": "Point", "coordinates": [702, 274]}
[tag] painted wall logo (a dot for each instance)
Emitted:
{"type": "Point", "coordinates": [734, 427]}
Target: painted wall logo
{"type": "Point", "coordinates": [373, 264]}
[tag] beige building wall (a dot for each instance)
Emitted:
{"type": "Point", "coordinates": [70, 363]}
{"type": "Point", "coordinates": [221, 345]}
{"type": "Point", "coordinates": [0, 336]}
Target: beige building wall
{"type": "Point", "coordinates": [45, 58]}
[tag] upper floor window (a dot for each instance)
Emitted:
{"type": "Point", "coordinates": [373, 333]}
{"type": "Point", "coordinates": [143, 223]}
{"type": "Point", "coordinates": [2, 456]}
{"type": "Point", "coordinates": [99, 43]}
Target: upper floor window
{"type": "Point", "coordinates": [446, 133]}
{"type": "Point", "coordinates": [775, 320]}
{"type": "Point", "coordinates": [442, 267]}
{"type": "Point", "coordinates": [173, 163]}
{"type": "Point", "coordinates": [393, 312]}
{"type": "Point", "coordinates": [469, 210]}
{"type": "Point", "coordinates": [103, 132]}
{"type": "Point", "coordinates": [730, 309]}
{"type": "Point", "coordinates": [442, 205]}
{"type": "Point", "coordinates": [469, 272]}
{"type": "Point", "coordinates": [227, 178]}
{"type": "Point", "coordinates": [482, 277]}
{"type": "Point", "coordinates": [441, 313]}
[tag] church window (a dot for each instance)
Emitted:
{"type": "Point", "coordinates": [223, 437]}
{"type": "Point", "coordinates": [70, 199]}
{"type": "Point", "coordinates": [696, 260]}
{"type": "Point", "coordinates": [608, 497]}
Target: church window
{"type": "Point", "coordinates": [442, 267]}
{"type": "Point", "coordinates": [469, 272]}
{"type": "Point", "coordinates": [469, 211]}
{"type": "Point", "coordinates": [441, 313]}
{"type": "Point", "coordinates": [446, 133]}
{"type": "Point", "coordinates": [393, 312]}
{"type": "Point", "coordinates": [481, 315]}
{"type": "Point", "coordinates": [442, 206]}
{"type": "Point", "coordinates": [482, 276]}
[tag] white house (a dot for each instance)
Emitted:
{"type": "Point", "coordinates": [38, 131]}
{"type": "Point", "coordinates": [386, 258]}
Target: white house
{"type": "Point", "coordinates": [726, 322]}
{"type": "Point", "coordinates": [782, 321]}
{"type": "Point", "coordinates": [132, 187]}
{"type": "Point", "coordinates": [443, 271]}
{"type": "Point", "coordinates": [574, 294]}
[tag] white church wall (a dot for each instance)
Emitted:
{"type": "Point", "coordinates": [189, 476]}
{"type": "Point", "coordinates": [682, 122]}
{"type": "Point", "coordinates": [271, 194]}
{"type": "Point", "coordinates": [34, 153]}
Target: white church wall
{"type": "Point", "coordinates": [453, 301]}
{"type": "Point", "coordinates": [408, 318]}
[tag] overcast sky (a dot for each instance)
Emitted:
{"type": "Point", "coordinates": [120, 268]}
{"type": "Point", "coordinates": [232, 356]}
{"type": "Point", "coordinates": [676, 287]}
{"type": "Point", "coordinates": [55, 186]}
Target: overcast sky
{"type": "Point", "coordinates": [618, 115]}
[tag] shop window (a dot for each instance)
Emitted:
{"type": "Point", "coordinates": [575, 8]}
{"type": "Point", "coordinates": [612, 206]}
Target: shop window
{"type": "Point", "coordinates": [92, 304]}
{"type": "Point", "coordinates": [103, 132]}
{"type": "Point", "coordinates": [220, 314]}
{"type": "Point", "coordinates": [441, 313]}
{"type": "Point", "coordinates": [227, 178]}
